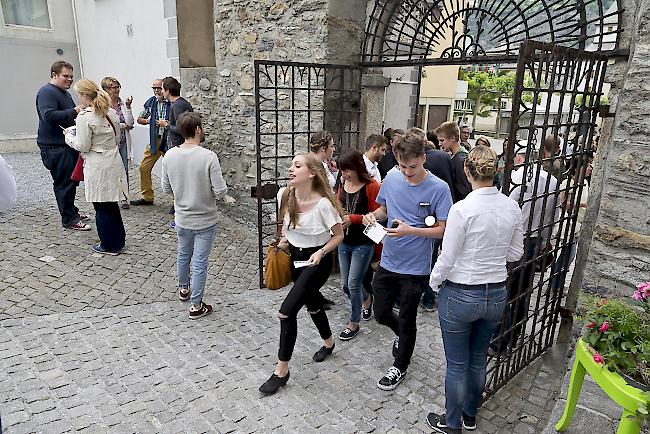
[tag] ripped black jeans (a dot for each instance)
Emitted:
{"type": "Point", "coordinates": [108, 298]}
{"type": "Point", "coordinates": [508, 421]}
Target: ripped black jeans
{"type": "Point", "coordinates": [307, 282]}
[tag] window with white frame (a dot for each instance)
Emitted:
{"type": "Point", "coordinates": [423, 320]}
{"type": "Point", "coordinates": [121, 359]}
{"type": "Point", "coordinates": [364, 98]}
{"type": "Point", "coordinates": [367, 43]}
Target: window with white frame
{"type": "Point", "coordinates": [29, 13]}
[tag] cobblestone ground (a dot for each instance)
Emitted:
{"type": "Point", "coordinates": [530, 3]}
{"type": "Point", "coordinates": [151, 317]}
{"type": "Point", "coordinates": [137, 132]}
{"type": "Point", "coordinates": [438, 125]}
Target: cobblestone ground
{"type": "Point", "coordinates": [100, 344]}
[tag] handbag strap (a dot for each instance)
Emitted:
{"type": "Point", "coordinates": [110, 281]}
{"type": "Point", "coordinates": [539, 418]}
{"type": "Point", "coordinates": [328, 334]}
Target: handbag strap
{"type": "Point", "coordinates": [112, 125]}
{"type": "Point", "coordinates": [282, 211]}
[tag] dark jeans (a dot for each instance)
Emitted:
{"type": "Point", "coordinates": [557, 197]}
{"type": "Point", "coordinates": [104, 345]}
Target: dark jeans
{"type": "Point", "coordinates": [429, 297]}
{"type": "Point", "coordinates": [109, 226]}
{"type": "Point", "coordinates": [60, 161]}
{"type": "Point", "coordinates": [519, 292]}
{"type": "Point", "coordinates": [408, 289]}
{"type": "Point", "coordinates": [467, 318]}
{"type": "Point", "coordinates": [307, 282]}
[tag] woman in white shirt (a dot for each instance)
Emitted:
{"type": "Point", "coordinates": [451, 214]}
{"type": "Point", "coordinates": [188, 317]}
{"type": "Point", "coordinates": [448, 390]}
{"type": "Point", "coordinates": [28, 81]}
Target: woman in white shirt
{"type": "Point", "coordinates": [7, 186]}
{"type": "Point", "coordinates": [309, 214]}
{"type": "Point", "coordinates": [321, 145]}
{"type": "Point", "coordinates": [104, 175]}
{"type": "Point", "coordinates": [484, 231]}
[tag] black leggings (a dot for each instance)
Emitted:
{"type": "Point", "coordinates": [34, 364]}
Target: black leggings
{"type": "Point", "coordinates": [109, 225]}
{"type": "Point", "coordinates": [307, 282]}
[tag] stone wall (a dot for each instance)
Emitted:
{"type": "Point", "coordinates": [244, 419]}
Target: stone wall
{"type": "Point", "coordinates": [618, 216]}
{"type": "Point", "coordinates": [317, 31]}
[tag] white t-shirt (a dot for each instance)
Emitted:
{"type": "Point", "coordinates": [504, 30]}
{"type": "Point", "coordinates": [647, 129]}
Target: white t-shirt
{"type": "Point", "coordinates": [331, 177]}
{"type": "Point", "coordinates": [313, 227]}
{"type": "Point", "coordinates": [373, 169]}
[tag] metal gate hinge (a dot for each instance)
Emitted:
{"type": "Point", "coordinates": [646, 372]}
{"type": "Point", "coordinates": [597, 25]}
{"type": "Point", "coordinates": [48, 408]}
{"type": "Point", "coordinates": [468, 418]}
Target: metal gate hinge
{"type": "Point", "coordinates": [566, 313]}
{"type": "Point", "coordinates": [603, 111]}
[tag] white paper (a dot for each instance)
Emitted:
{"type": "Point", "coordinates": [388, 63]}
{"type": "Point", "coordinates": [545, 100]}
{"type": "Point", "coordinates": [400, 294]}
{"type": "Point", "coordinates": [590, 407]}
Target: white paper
{"type": "Point", "coordinates": [300, 264]}
{"type": "Point", "coordinates": [375, 232]}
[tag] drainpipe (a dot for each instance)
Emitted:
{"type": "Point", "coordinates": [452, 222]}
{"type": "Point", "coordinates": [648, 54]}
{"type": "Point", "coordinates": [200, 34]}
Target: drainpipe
{"type": "Point", "coordinates": [76, 35]}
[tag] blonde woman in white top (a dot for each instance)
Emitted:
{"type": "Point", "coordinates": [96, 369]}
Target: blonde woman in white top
{"type": "Point", "coordinates": [483, 233]}
{"type": "Point", "coordinates": [104, 175]}
{"type": "Point", "coordinates": [312, 216]}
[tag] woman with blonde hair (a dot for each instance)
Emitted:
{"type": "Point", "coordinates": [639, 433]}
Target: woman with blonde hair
{"type": "Point", "coordinates": [104, 175]}
{"type": "Point", "coordinates": [309, 215]}
{"type": "Point", "coordinates": [124, 113]}
{"type": "Point", "coordinates": [483, 233]}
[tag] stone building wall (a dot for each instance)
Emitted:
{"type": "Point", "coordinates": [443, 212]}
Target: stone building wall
{"type": "Point", "coordinates": [317, 31]}
{"type": "Point", "coordinates": [618, 217]}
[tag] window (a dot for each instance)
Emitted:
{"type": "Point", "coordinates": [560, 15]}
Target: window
{"type": "Point", "coordinates": [29, 13]}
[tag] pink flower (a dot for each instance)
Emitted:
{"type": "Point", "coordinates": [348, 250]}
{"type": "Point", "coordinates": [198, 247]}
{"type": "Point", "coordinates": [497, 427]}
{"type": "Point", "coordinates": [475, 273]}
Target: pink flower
{"type": "Point", "coordinates": [645, 286]}
{"type": "Point", "coordinates": [638, 296]}
{"type": "Point", "coordinates": [599, 359]}
{"type": "Point", "coordinates": [603, 328]}
{"type": "Point", "coordinates": [591, 325]}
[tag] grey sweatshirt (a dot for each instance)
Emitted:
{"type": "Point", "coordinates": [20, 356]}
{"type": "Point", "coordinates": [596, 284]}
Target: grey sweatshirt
{"type": "Point", "coordinates": [194, 177]}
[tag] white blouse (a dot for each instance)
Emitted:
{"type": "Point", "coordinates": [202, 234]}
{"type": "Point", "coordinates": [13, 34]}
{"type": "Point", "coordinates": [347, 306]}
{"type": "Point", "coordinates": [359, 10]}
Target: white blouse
{"type": "Point", "coordinates": [482, 233]}
{"type": "Point", "coordinates": [313, 227]}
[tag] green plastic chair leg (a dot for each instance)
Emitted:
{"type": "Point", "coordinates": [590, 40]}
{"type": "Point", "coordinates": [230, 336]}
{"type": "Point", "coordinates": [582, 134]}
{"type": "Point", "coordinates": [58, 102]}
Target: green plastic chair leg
{"type": "Point", "coordinates": [627, 425]}
{"type": "Point", "coordinates": [577, 378]}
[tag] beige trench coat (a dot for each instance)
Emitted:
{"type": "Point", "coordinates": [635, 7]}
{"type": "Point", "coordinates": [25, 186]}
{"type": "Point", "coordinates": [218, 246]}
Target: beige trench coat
{"type": "Point", "coordinates": [104, 175]}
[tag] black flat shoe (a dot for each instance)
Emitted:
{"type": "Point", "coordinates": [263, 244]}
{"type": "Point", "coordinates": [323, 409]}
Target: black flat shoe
{"type": "Point", "coordinates": [273, 384]}
{"type": "Point", "coordinates": [322, 354]}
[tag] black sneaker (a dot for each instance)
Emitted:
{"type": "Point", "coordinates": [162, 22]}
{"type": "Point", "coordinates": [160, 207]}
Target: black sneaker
{"type": "Point", "coordinates": [366, 314]}
{"type": "Point", "coordinates": [439, 424]}
{"type": "Point", "coordinates": [97, 248]}
{"type": "Point", "coordinates": [348, 334]}
{"type": "Point", "coordinates": [184, 293]}
{"type": "Point", "coordinates": [142, 202]}
{"type": "Point", "coordinates": [203, 310]}
{"type": "Point", "coordinates": [392, 378]}
{"type": "Point", "coordinates": [322, 354]}
{"type": "Point", "coordinates": [272, 385]}
{"type": "Point", "coordinates": [469, 422]}
{"type": "Point", "coordinates": [395, 346]}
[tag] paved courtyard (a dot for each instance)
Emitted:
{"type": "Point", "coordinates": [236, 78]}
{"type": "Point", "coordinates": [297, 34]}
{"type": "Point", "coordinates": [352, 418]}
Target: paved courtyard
{"type": "Point", "coordinates": [100, 344]}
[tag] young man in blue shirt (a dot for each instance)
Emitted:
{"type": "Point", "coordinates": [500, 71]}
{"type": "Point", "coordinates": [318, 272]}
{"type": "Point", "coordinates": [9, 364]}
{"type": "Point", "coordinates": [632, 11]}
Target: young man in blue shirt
{"type": "Point", "coordinates": [415, 205]}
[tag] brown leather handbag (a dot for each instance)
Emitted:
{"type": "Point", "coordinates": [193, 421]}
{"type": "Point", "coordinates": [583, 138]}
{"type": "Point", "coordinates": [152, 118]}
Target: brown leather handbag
{"type": "Point", "coordinates": [277, 270]}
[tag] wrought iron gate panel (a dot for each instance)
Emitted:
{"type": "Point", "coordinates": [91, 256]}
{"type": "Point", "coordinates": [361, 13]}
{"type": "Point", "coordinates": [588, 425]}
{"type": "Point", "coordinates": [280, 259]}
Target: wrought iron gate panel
{"type": "Point", "coordinates": [294, 100]}
{"type": "Point", "coordinates": [551, 82]}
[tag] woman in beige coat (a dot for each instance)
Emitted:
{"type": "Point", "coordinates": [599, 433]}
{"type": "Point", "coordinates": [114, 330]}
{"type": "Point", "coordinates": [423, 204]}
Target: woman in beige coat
{"type": "Point", "coordinates": [104, 175]}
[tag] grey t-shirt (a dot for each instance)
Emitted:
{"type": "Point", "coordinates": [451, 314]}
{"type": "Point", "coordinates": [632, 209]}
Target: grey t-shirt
{"type": "Point", "coordinates": [194, 177]}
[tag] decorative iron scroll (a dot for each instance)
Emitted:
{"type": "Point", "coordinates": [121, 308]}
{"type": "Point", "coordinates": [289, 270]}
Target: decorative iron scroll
{"type": "Point", "coordinates": [437, 31]}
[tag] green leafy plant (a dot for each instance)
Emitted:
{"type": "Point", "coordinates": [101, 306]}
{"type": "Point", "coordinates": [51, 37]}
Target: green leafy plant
{"type": "Point", "coordinates": [619, 334]}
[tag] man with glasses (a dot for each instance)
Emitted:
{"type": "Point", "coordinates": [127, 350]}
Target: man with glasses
{"type": "Point", "coordinates": [155, 114]}
{"type": "Point", "coordinates": [57, 111]}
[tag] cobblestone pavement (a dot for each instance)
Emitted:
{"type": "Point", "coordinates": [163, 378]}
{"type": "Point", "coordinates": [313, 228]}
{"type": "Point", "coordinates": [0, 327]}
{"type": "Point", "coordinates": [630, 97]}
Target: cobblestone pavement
{"type": "Point", "coordinates": [100, 344]}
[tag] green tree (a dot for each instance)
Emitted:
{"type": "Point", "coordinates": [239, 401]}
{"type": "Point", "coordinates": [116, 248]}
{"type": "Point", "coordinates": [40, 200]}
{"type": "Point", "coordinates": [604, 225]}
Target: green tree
{"type": "Point", "coordinates": [480, 85]}
{"type": "Point", "coordinates": [503, 88]}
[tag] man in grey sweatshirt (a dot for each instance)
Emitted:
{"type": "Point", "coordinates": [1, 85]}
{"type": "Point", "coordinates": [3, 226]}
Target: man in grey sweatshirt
{"type": "Point", "coordinates": [193, 175]}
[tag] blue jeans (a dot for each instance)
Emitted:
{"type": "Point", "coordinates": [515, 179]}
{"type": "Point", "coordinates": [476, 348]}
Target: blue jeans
{"type": "Point", "coordinates": [194, 245]}
{"type": "Point", "coordinates": [354, 261]}
{"type": "Point", "coordinates": [124, 153]}
{"type": "Point", "coordinates": [467, 320]}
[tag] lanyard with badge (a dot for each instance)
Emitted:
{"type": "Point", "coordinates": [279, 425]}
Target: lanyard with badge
{"type": "Point", "coordinates": [424, 211]}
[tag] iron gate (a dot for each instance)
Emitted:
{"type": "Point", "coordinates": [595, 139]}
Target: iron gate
{"type": "Point", "coordinates": [557, 100]}
{"type": "Point", "coordinates": [294, 100]}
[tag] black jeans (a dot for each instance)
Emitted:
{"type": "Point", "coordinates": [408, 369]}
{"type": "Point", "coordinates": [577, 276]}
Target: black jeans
{"type": "Point", "coordinates": [408, 289]}
{"type": "Point", "coordinates": [109, 225]}
{"type": "Point", "coordinates": [60, 161]}
{"type": "Point", "coordinates": [307, 282]}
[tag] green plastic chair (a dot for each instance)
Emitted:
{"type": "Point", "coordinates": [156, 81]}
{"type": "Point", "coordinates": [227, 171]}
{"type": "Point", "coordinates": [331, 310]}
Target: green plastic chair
{"type": "Point", "coordinates": [612, 383]}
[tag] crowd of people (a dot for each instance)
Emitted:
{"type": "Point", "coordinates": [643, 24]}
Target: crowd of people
{"type": "Point", "coordinates": [446, 227]}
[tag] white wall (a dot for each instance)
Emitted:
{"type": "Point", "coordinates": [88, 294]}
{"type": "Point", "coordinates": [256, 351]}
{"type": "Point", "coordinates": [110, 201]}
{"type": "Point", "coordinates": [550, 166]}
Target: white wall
{"type": "Point", "coordinates": [135, 60]}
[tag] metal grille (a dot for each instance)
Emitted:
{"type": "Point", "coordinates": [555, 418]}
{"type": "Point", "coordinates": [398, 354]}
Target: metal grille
{"type": "Point", "coordinates": [294, 100]}
{"type": "Point", "coordinates": [556, 102]}
{"type": "Point", "coordinates": [407, 32]}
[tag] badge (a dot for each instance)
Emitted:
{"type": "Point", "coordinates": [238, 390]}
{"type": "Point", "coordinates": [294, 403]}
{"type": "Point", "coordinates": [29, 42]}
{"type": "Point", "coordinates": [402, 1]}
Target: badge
{"type": "Point", "coordinates": [430, 220]}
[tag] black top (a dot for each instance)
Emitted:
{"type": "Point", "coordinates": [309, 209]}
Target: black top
{"type": "Point", "coordinates": [55, 109]}
{"type": "Point", "coordinates": [387, 162]}
{"type": "Point", "coordinates": [439, 163]}
{"type": "Point", "coordinates": [462, 187]}
{"type": "Point", "coordinates": [355, 203]}
{"type": "Point", "coordinates": [179, 107]}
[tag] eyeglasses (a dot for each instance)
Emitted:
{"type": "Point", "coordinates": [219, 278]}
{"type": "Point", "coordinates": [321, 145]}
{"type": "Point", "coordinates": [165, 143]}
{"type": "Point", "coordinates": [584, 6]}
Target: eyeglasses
{"type": "Point", "coordinates": [67, 77]}
{"type": "Point", "coordinates": [115, 87]}
{"type": "Point", "coordinates": [156, 88]}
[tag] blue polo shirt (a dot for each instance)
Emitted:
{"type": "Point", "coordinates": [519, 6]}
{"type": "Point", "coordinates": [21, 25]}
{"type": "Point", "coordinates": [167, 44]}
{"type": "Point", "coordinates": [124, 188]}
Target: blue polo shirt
{"type": "Point", "coordinates": [411, 204]}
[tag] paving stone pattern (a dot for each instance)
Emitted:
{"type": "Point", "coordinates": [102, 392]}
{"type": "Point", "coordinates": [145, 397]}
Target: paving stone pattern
{"type": "Point", "coordinates": [100, 344]}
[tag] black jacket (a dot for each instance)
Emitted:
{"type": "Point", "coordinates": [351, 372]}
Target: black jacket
{"type": "Point", "coordinates": [55, 109]}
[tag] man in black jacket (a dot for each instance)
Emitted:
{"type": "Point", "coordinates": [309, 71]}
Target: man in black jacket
{"type": "Point", "coordinates": [449, 137]}
{"type": "Point", "coordinates": [56, 111]}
